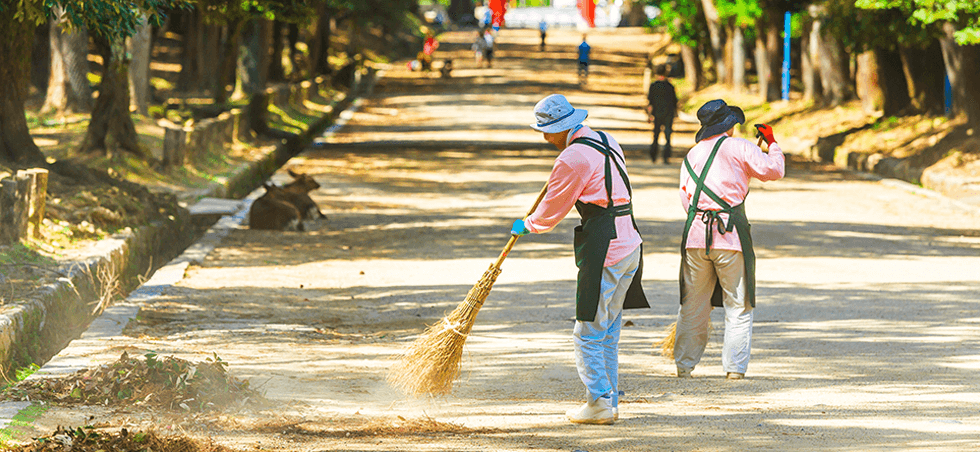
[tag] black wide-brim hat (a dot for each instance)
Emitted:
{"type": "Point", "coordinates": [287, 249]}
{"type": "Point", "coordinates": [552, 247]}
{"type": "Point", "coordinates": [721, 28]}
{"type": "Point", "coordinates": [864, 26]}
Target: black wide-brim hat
{"type": "Point", "coordinates": [717, 117]}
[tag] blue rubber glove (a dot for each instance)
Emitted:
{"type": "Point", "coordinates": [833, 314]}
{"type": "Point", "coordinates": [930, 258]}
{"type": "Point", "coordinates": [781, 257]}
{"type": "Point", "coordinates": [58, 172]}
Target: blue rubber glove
{"type": "Point", "coordinates": [519, 229]}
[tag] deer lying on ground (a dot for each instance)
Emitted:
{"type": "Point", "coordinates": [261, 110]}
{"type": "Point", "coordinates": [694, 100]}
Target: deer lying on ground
{"type": "Point", "coordinates": [298, 193]}
{"type": "Point", "coordinates": [272, 211]}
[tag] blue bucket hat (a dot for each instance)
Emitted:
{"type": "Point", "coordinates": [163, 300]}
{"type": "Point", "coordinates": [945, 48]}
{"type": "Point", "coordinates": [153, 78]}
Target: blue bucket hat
{"type": "Point", "coordinates": [555, 114]}
{"type": "Point", "coordinates": [717, 117]}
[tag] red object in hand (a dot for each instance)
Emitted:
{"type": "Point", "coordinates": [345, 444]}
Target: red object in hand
{"type": "Point", "coordinates": [765, 131]}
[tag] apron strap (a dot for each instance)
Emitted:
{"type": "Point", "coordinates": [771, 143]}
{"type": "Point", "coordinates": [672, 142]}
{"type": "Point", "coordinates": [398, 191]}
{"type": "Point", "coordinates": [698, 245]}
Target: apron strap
{"type": "Point", "coordinates": [709, 217]}
{"type": "Point", "coordinates": [606, 150]}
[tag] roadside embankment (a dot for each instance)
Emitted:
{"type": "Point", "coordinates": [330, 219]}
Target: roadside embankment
{"type": "Point", "coordinates": [37, 326]}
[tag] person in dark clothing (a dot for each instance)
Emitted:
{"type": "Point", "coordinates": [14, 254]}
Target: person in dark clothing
{"type": "Point", "coordinates": [662, 99]}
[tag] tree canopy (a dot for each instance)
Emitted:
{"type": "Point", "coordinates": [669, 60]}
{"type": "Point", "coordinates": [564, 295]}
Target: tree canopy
{"type": "Point", "coordinates": [964, 14]}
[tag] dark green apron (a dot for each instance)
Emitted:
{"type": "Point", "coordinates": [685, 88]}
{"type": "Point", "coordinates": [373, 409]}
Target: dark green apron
{"type": "Point", "coordinates": [711, 218]}
{"type": "Point", "coordinates": [592, 239]}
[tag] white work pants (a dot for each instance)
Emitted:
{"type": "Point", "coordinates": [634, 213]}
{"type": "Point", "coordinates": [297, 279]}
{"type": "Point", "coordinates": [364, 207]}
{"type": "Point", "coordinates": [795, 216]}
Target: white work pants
{"type": "Point", "coordinates": [700, 273]}
{"type": "Point", "coordinates": [597, 342]}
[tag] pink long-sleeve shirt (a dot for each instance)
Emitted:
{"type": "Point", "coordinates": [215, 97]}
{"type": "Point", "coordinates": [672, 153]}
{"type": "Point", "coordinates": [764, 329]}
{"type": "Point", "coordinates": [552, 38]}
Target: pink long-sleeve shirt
{"type": "Point", "coordinates": [579, 175]}
{"type": "Point", "coordinates": [737, 160]}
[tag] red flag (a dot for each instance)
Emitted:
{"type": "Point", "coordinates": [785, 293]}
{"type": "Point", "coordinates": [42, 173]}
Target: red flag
{"type": "Point", "coordinates": [587, 8]}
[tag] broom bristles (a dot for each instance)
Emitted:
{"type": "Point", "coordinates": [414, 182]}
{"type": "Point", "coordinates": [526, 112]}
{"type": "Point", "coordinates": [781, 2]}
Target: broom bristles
{"type": "Point", "coordinates": [667, 344]}
{"type": "Point", "coordinates": [433, 362]}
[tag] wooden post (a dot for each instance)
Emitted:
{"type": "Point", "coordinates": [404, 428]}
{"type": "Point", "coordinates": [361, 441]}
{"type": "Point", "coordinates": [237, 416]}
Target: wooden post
{"type": "Point", "coordinates": [8, 208]}
{"type": "Point", "coordinates": [23, 202]}
{"type": "Point", "coordinates": [174, 144]}
{"type": "Point", "coordinates": [36, 201]}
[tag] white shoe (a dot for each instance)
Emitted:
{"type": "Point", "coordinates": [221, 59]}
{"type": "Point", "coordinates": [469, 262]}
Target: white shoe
{"type": "Point", "coordinates": [615, 412]}
{"type": "Point", "coordinates": [598, 412]}
{"type": "Point", "coordinates": [682, 373]}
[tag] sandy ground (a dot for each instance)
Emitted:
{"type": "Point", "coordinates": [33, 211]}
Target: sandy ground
{"type": "Point", "coordinates": [866, 333]}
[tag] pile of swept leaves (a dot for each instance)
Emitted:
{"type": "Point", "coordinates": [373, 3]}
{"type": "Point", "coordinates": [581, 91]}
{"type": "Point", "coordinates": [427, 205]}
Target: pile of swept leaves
{"type": "Point", "coordinates": [168, 382]}
{"type": "Point", "coordinates": [90, 440]}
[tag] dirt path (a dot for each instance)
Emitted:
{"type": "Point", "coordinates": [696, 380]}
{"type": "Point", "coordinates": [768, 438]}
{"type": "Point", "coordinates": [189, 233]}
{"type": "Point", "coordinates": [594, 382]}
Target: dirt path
{"type": "Point", "coordinates": [866, 334]}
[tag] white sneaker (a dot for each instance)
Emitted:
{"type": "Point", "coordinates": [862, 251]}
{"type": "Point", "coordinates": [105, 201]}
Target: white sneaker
{"type": "Point", "coordinates": [615, 412]}
{"type": "Point", "coordinates": [598, 412]}
{"type": "Point", "coordinates": [683, 373]}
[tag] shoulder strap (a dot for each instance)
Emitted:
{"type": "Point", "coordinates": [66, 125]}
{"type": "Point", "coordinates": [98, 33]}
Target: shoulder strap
{"type": "Point", "coordinates": [606, 150]}
{"type": "Point", "coordinates": [700, 179]}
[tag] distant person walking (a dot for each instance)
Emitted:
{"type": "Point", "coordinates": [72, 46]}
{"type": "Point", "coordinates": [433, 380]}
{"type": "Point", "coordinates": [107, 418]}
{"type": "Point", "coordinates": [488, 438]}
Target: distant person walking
{"type": "Point", "coordinates": [717, 258]}
{"type": "Point", "coordinates": [661, 109]}
{"type": "Point", "coordinates": [583, 60]}
{"type": "Point", "coordinates": [488, 51]}
{"type": "Point", "coordinates": [543, 28]}
{"type": "Point", "coordinates": [479, 48]}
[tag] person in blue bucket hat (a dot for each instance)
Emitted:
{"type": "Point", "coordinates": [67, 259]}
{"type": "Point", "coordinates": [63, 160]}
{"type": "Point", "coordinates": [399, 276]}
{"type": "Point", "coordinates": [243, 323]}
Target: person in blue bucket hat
{"type": "Point", "coordinates": [590, 175]}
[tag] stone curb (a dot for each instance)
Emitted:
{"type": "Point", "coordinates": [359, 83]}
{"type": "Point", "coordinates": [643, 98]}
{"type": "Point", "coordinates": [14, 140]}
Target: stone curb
{"type": "Point", "coordinates": [24, 321]}
{"type": "Point", "coordinates": [898, 169]}
{"type": "Point", "coordinates": [915, 189]}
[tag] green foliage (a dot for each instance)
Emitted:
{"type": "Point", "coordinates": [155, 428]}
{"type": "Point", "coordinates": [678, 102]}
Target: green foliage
{"type": "Point", "coordinates": [682, 20]}
{"type": "Point", "coordinates": [231, 12]}
{"type": "Point", "coordinates": [113, 19]}
{"type": "Point", "coordinates": [743, 12]}
{"type": "Point", "coordinates": [24, 372]}
{"type": "Point", "coordinates": [964, 14]}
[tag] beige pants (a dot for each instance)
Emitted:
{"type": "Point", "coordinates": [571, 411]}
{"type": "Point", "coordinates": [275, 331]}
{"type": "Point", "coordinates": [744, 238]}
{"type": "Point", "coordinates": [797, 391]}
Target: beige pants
{"type": "Point", "coordinates": [700, 273]}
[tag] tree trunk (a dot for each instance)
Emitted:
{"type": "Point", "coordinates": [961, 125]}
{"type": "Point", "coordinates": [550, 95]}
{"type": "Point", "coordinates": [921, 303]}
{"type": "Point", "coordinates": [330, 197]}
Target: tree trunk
{"type": "Point", "coordinates": [962, 66]}
{"type": "Point", "coordinates": [868, 84]}
{"type": "Point", "coordinates": [320, 48]}
{"type": "Point", "coordinates": [69, 90]}
{"type": "Point", "coordinates": [762, 66]}
{"type": "Point", "coordinates": [16, 39]}
{"type": "Point", "coordinates": [808, 57]}
{"type": "Point", "coordinates": [633, 16]}
{"type": "Point", "coordinates": [41, 58]}
{"type": "Point", "coordinates": [833, 63]}
{"type": "Point", "coordinates": [738, 59]}
{"type": "Point", "coordinates": [717, 46]}
{"type": "Point", "coordinates": [292, 39]}
{"type": "Point", "coordinates": [252, 67]}
{"type": "Point", "coordinates": [892, 82]}
{"type": "Point", "coordinates": [834, 74]}
{"type": "Point", "coordinates": [971, 64]}
{"type": "Point", "coordinates": [227, 69]}
{"type": "Point", "coordinates": [692, 67]}
{"type": "Point", "coordinates": [276, 71]}
{"type": "Point", "coordinates": [112, 125]}
{"type": "Point", "coordinates": [190, 77]}
{"type": "Point", "coordinates": [774, 46]}
{"type": "Point", "coordinates": [925, 84]}
{"type": "Point", "coordinates": [211, 60]}
{"type": "Point", "coordinates": [139, 69]}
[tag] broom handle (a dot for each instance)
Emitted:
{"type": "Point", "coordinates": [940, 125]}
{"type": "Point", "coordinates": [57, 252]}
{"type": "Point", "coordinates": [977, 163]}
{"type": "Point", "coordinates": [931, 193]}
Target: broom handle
{"type": "Point", "coordinates": [513, 238]}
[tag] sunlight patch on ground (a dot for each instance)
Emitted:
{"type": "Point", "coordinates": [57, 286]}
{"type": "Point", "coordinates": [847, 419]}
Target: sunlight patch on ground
{"type": "Point", "coordinates": [877, 270]}
{"type": "Point", "coordinates": [935, 425]}
{"type": "Point", "coordinates": [964, 362]}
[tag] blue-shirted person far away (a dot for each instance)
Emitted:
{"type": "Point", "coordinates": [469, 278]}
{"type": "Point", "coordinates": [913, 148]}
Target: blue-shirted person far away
{"type": "Point", "coordinates": [583, 60]}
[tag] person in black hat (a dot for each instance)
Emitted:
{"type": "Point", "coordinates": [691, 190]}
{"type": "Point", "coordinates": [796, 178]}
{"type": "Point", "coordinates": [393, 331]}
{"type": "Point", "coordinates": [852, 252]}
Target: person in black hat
{"type": "Point", "coordinates": [717, 259]}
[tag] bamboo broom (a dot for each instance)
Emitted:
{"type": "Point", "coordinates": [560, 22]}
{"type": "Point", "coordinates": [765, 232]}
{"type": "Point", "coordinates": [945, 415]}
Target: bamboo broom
{"type": "Point", "coordinates": [666, 344]}
{"type": "Point", "coordinates": [432, 363]}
